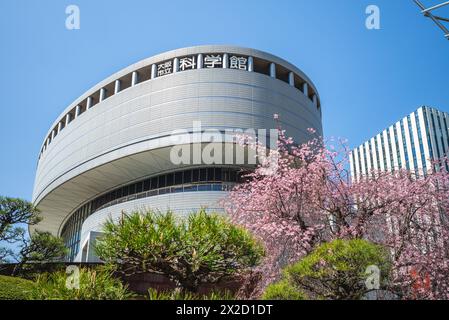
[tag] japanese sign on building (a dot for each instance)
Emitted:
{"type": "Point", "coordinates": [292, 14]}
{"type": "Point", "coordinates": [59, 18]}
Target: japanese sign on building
{"type": "Point", "coordinates": [213, 61]}
{"type": "Point", "coordinates": [187, 63]}
{"type": "Point", "coordinates": [238, 62]}
{"type": "Point", "coordinates": [165, 68]}
{"type": "Point", "coordinates": [210, 61]}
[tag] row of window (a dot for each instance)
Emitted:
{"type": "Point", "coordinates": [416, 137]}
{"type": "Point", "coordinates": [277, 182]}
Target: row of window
{"type": "Point", "coordinates": [71, 232]}
{"type": "Point", "coordinates": [167, 180]}
{"type": "Point", "coordinates": [185, 63]}
{"type": "Point", "coordinates": [441, 144]}
{"type": "Point", "coordinates": [191, 180]}
{"type": "Point", "coordinates": [365, 152]}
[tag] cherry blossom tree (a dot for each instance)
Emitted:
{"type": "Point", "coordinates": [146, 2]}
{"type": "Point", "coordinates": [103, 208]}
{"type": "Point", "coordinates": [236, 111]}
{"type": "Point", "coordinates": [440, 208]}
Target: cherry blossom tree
{"type": "Point", "coordinates": [302, 195]}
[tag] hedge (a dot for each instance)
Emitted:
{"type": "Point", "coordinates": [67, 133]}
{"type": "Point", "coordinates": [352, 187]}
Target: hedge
{"type": "Point", "coordinates": [12, 288]}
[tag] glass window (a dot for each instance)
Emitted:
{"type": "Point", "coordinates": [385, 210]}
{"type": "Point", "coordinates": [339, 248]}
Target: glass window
{"type": "Point", "coordinates": [226, 175]}
{"type": "Point", "coordinates": [170, 179]}
{"type": "Point", "coordinates": [125, 191]}
{"type": "Point", "coordinates": [188, 176]}
{"type": "Point", "coordinates": [210, 174]}
{"type": "Point", "coordinates": [203, 174]}
{"type": "Point", "coordinates": [146, 185]}
{"type": "Point", "coordinates": [218, 174]}
{"type": "Point", "coordinates": [178, 178]}
{"type": "Point", "coordinates": [195, 175]}
{"type": "Point", "coordinates": [233, 176]}
{"type": "Point", "coordinates": [162, 182]}
{"type": "Point", "coordinates": [154, 184]}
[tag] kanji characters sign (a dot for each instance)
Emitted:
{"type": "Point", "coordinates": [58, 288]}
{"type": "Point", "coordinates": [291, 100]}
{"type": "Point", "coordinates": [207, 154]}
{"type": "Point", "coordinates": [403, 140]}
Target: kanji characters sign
{"type": "Point", "coordinates": [209, 61]}
{"type": "Point", "coordinates": [187, 63]}
{"type": "Point", "coordinates": [212, 61]}
{"type": "Point", "coordinates": [238, 62]}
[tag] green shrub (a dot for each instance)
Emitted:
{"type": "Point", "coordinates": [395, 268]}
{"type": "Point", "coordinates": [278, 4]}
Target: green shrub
{"type": "Point", "coordinates": [12, 288]}
{"type": "Point", "coordinates": [94, 284]}
{"type": "Point", "coordinates": [183, 295]}
{"type": "Point", "coordinates": [200, 248]}
{"type": "Point", "coordinates": [283, 290]}
{"type": "Point", "coordinates": [334, 270]}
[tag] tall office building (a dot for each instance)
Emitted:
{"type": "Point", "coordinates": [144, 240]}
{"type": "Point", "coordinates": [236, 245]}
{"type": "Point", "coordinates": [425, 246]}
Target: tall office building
{"type": "Point", "coordinates": [412, 143]}
{"type": "Point", "coordinates": [110, 151]}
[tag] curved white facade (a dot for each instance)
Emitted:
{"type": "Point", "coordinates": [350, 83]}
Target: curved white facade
{"type": "Point", "coordinates": [120, 132]}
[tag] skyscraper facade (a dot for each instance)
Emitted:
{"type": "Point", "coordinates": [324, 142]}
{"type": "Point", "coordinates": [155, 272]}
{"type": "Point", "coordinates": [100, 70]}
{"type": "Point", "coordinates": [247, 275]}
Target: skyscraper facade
{"type": "Point", "coordinates": [413, 144]}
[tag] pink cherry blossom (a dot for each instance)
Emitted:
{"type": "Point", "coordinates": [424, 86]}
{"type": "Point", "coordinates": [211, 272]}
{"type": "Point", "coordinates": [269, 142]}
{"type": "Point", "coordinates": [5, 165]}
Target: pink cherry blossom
{"type": "Point", "coordinates": [310, 198]}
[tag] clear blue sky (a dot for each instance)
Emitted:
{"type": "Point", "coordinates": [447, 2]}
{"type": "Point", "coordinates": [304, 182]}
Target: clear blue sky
{"type": "Point", "coordinates": [367, 79]}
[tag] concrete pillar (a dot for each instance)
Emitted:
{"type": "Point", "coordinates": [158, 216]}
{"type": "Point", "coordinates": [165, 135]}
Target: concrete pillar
{"type": "Point", "coordinates": [117, 86]}
{"type": "Point", "coordinates": [291, 79]}
{"type": "Point", "coordinates": [225, 61]}
{"type": "Point", "coordinates": [77, 111]}
{"type": "Point", "coordinates": [200, 61]}
{"type": "Point", "coordinates": [250, 64]}
{"type": "Point", "coordinates": [153, 71]}
{"type": "Point", "coordinates": [89, 103]}
{"type": "Point", "coordinates": [272, 70]}
{"type": "Point", "coordinates": [67, 119]}
{"type": "Point", "coordinates": [59, 127]}
{"type": "Point", "coordinates": [315, 101]}
{"type": "Point", "coordinates": [102, 94]}
{"type": "Point", "coordinates": [305, 89]}
{"type": "Point", "coordinates": [175, 65]}
{"type": "Point", "coordinates": [134, 78]}
{"type": "Point", "coordinates": [53, 134]}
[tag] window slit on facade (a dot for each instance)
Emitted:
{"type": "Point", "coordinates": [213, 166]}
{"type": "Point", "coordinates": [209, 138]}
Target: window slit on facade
{"type": "Point", "coordinates": [441, 133]}
{"type": "Point", "coordinates": [404, 145]}
{"type": "Point", "coordinates": [421, 146]}
{"type": "Point", "coordinates": [360, 160]}
{"type": "Point", "coordinates": [365, 162]}
{"type": "Point", "coordinates": [429, 141]}
{"type": "Point", "coordinates": [412, 142]}
{"type": "Point", "coordinates": [446, 129]}
{"type": "Point", "coordinates": [398, 152]}
{"type": "Point", "coordinates": [262, 66]}
{"type": "Point", "coordinates": [382, 142]}
{"type": "Point", "coordinates": [370, 163]}
{"type": "Point", "coordinates": [354, 166]}
{"type": "Point", "coordinates": [435, 136]}
{"type": "Point", "coordinates": [443, 146]}
{"type": "Point", "coordinates": [376, 150]}
{"type": "Point", "coordinates": [282, 73]}
{"type": "Point", "coordinates": [390, 151]}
